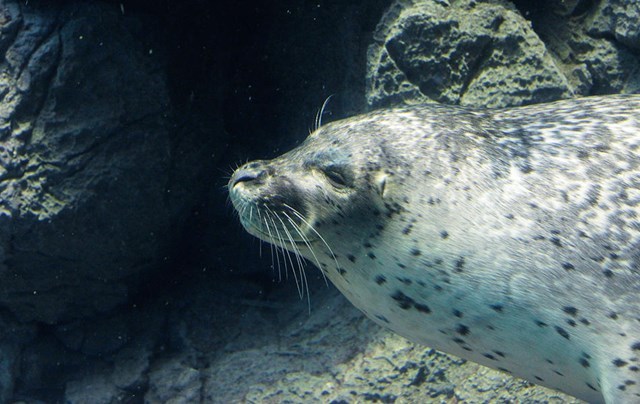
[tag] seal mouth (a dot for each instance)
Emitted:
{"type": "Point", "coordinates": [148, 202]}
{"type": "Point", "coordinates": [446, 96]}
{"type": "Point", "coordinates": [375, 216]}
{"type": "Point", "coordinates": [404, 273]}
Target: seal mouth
{"type": "Point", "coordinates": [274, 213]}
{"type": "Point", "coordinates": [276, 226]}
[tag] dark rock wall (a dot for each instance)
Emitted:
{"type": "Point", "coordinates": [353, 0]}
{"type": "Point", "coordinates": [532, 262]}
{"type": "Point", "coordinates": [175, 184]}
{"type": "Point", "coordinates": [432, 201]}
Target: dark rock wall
{"type": "Point", "coordinates": [85, 156]}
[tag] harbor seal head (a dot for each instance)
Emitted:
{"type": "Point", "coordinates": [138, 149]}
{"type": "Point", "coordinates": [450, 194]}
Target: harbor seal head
{"type": "Point", "coordinates": [507, 237]}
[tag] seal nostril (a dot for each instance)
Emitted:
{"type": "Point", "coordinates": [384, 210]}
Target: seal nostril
{"type": "Point", "coordinates": [245, 177]}
{"type": "Point", "coordinates": [247, 174]}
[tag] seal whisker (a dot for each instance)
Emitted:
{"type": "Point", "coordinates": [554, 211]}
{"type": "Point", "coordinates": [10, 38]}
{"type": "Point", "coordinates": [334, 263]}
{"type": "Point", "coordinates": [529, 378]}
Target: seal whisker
{"type": "Point", "coordinates": [279, 249]}
{"type": "Point", "coordinates": [324, 105]}
{"type": "Point", "coordinates": [273, 246]}
{"type": "Point", "coordinates": [299, 216]}
{"type": "Point", "coordinates": [305, 240]}
{"type": "Point", "coordinates": [266, 225]}
{"type": "Point", "coordinates": [288, 254]}
{"type": "Point", "coordinates": [261, 241]}
{"type": "Point", "coordinates": [296, 252]}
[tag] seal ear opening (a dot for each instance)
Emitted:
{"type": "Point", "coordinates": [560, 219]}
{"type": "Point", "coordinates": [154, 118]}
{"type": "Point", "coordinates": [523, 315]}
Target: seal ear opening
{"type": "Point", "coordinates": [381, 184]}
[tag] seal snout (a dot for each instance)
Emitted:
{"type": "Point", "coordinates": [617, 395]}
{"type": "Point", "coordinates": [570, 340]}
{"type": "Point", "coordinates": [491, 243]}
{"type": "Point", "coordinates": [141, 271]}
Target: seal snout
{"type": "Point", "coordinates": [250, 173]}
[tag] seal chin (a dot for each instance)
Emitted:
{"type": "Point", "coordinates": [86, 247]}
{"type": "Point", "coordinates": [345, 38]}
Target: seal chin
{"type": "Point", "coordinates": [269, 237]}
{"type": "Point", "coordinates": [279, 226]}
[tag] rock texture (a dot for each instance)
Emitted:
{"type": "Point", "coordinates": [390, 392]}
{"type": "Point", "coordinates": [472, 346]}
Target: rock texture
{"type": "Point", "coordinates": [488, 54]}
{"type": "Point", "coordinates": [84, 153]}
{"type": "Point", "coordinates": [330, 354]}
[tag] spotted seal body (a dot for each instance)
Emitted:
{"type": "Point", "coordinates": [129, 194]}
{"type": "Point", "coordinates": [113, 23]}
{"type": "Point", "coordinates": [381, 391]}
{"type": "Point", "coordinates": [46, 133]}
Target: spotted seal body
{"type": "Point", "coordinates": [507, 237]}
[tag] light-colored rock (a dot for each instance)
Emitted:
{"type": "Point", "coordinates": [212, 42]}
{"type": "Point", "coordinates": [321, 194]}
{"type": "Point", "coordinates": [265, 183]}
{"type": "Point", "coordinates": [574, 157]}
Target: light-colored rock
{"type": "Point", "coordinates": [464, 52]}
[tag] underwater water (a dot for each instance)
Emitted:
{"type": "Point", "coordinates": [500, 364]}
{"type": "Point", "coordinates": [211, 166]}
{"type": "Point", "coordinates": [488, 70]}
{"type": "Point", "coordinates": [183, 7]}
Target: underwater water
{"type": "Point", "coordinates": [126, 274]}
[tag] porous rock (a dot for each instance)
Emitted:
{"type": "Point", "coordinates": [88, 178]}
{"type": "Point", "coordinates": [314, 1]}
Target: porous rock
{"type": "Point", "coordinates": [83, 158]}
{"type": "Point", "coordinates": [493, 54]}
{"type": "Point", "coordinates": [463, 52]}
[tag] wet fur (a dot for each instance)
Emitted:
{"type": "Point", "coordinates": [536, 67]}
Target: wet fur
{"type": "Point", "coordinates": [507, 237]}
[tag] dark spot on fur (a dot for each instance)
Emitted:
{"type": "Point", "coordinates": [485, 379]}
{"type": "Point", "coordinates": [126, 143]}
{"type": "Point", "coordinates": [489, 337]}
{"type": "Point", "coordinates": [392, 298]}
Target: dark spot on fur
{"type": "Point", "coordinates": [406, 281]}
{"type": "Point", "coordinates": [613, 315]}
{"type": "Point", "coordinates": [608, 273]}
{"type": "Point", "coordinates": [401, 265]}
{"type": "Point", "coordinates": [497, 307]}
{"type": "Point", "coordinates": [404, 301]}
{"type": "Point", "coordinates": [504, 370]}
{"type": "Point", "coordinates": [558, 372]}
{"type": "Point", "coordinates": [351, 258]}
{"type": "Point", "coordinates": [510, 216]}
{"type": "Point", "coordinates": [629, 382]}
{"type": "Point", "coordinates": [634, 368]}
{"type": "Point", "coordinates": [568, 266]}
{"type": "Point", "coordinates": [380, 279]}
{"type": "Point", "coordinates": [562, 332]}
{"type": "Point", "coordinates": [571, 322]}
{"type": "Point", "coordinates": [382, 318]}
{"type": "Point", "coordinates": [487, 355]}
{"type": "Point", "coordinates": [585, 321]}
{"type": "Point", "coordinates": [367, 244]}
{"type": "Point", "coordinates": [619, 362]}
{"type": "Point", "coordinates": [591, 387]}
{"type": "Point", "coordinates": [462, 329]}
{"type": "Point", "coordinates": [584, 363]}
{"type": "Point", "coordinates": [457, 313]}
{"type": "Point", "coordinates": [458, 340]}
{"type": "Point", "coordinates": [415, 252]}
{"type": "Point", "coordinates": [549, 361]}
{"type": "Point", "coordinates": [622, 387]}
{"type": "Point", "coordinates": [444, 234]}
{"type": "Point", "coordinates": [459, 264]}
{"type": "Point", "coordinates": [371, 255]}
{"type": "Point", "coordinates": [556, 241]}
{"type": "Point", "coordinates": [636, 346]}
{"type": "Point", "coordinates": [538, 378]}
{"type": "Point", "coordinates": [500, 354]}
{"type": "Point", "coordinates": [541, 323]}
{"type": "Point", "coordinates": [422, 308]}
{"type": "Point", "coordinates": [583, 155]}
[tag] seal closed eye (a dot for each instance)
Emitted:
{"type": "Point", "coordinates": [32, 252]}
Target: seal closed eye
{"type": "Point", "coordinates": [506, 237]}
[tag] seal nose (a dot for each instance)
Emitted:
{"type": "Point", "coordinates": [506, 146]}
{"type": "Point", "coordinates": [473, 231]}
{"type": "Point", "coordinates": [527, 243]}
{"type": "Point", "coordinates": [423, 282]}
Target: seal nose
{"type": "Point", "coordinates": [251, 172]}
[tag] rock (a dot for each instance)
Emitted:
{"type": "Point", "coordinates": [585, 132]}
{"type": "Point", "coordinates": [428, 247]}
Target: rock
{"type": "Point", "coordinates": [618, 19]}
{"type": "Point", "coordinates": [465, 52]}
{"type": "Point", "coordinates": [9, 354]}
{"type": "Point", "coordinates": [487, 54]}
{"type": "Point", "coordinates": [84, 159]}
{"type": "Point", "coordinates": [174, 381]}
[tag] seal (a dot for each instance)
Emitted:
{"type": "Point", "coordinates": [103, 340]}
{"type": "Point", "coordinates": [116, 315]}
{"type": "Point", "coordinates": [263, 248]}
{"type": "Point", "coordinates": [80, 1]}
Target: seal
{"type": "Point", "coordinates": [507, 237]}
